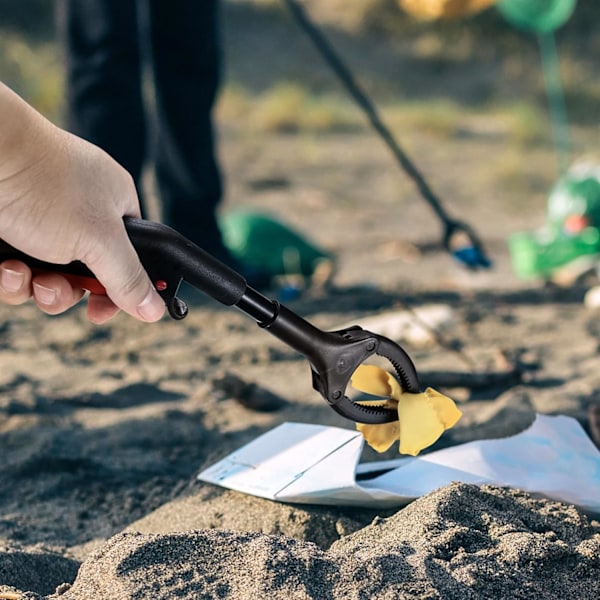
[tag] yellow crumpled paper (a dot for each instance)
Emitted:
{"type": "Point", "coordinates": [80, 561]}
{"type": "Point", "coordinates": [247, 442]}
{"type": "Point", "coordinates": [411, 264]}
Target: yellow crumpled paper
{"type": "Point", "coordinates": [422, 418]}
{"type": "Point", "coordinates": [444, 9]}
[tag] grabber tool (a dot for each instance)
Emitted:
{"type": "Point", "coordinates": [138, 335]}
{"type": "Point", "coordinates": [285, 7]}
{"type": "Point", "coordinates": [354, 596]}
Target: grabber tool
{"type": "Point", "coordinates": [169, 258]}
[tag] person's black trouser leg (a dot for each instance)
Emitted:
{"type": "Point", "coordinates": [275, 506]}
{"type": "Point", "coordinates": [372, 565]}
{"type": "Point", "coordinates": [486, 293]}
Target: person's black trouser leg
{"type": "Point", "coordinates": [105, 104]}
{"type": "Point", "coordinates": [103, 79]}
{"type": "Point", "coordinates": [186, 58]}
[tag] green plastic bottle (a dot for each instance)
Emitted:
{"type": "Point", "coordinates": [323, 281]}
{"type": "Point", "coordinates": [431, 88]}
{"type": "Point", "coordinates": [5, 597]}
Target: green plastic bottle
{"type": "Point", "coordinates": [261, 241]}
{"type": "Point", "coordinates": [540, 254]}
{"type": "Point", "coordinates": [572, 230]}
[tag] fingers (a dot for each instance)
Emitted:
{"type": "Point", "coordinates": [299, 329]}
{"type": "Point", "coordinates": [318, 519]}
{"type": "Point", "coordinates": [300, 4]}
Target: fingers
{"type": "Point", "coordinates": [15, 282]}
{"type": "Point", "coordinates": [101, 309]}
{"type": "Point", "coordinates": [52, 293]}
{"type": "Point", "coordinates": [127, 284]}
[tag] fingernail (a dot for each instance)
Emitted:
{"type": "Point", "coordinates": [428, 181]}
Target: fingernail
{"type": "Point", "coordinates": [11, 281]}
{"type": "Point", "coordinates": [44, 295]}
{"type": "Point", "coordinates": [151, 308]}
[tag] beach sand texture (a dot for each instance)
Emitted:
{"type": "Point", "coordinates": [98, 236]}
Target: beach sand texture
{"type": "Point", "coordinates": [104, 429]}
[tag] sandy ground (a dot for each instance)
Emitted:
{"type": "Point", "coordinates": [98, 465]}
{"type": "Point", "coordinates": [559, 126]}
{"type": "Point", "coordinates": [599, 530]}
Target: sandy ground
{"type": "Point", "coordinates": [103, 429]}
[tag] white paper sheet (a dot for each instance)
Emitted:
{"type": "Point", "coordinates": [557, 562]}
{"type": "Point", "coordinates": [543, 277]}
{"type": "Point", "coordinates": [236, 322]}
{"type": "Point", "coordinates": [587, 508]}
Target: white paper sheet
{"type": "Point", "coordinates": [314, 464]}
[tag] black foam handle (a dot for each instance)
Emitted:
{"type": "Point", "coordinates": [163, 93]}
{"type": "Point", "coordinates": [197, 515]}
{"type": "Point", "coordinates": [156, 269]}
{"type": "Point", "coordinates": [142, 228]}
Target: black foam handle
{"type": "Point", "coordinates": [167, 256]}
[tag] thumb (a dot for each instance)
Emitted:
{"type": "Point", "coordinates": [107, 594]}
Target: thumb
{"type": "Point", "coordinates": [118, 268]}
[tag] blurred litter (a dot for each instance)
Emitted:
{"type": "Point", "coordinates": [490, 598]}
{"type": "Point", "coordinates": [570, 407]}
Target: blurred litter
{"type": "Point", "coordinates": [417, 326]}
{"type": "Point", "coordinates": [264, 242]}
{"type": "Point", "coordinates": [569, 243]}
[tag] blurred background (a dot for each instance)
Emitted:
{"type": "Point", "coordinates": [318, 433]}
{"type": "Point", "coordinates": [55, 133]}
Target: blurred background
{"type": "Point", "coordinates": [475, 78]}
{"type": "Point", "coordinates": [422, 69]}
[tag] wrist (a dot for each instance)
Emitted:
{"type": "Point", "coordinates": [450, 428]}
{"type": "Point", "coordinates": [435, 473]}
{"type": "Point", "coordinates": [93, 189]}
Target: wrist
{"type": "Point", "coordinates": [23, 136]}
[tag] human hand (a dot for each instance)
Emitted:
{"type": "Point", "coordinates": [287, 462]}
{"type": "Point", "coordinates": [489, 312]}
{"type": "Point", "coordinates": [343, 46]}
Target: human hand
{"type": "Point", "coordinates": [64, 199]}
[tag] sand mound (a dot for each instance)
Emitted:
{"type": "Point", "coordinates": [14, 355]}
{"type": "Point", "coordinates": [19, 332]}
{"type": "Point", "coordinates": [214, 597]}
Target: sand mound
{"type": "Point", "coordinates": [203, 564]}
{"type": "Point", "coordinates": [463, 541]}
{"type": "Point", "coordinates": [458, 542]}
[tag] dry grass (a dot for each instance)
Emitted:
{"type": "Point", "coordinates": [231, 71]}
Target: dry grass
{"type": "Point", "coordinates": [287, 107]}
{"type": "Point", "coordinates": [34, 70]}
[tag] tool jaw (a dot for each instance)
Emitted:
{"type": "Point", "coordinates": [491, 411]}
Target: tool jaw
{"type": "Point", "coordinates": [338, 358]}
